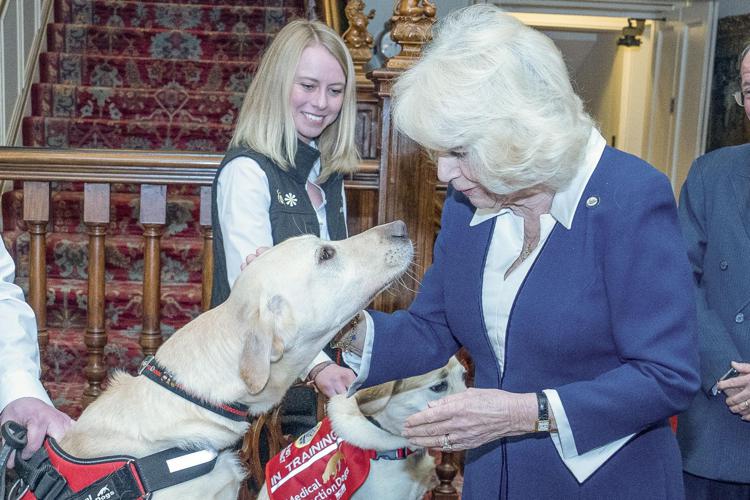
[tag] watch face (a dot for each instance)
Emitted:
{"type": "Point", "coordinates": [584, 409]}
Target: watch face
{"type": "Point", "coordinates": [542, 426]}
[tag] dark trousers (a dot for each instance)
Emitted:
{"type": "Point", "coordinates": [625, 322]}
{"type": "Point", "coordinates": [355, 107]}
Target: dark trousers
{"type": "Point", "coordinates": [700, 488]}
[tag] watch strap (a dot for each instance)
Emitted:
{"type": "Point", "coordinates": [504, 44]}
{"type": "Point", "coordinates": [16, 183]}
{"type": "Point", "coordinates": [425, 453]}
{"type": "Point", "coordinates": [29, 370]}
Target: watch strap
{"type": "Point", "coordinates": [542, 422]}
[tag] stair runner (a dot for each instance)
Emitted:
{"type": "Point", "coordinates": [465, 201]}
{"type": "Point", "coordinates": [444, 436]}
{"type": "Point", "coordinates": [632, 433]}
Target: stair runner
{"type": "Point", "coordinates": [164, 75]}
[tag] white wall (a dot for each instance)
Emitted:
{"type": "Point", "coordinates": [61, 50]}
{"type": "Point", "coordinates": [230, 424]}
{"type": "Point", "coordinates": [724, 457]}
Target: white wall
{"type": "Point", "coordinates": [733, 7]}
{"type": "Point", "coordinates": [19, 32]}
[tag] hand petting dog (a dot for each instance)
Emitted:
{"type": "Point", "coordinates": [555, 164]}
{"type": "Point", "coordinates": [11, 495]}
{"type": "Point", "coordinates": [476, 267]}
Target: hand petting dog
{"type": "Point", "coordinates": [334, 379]}
{"type": "Point", "coordinates": [472, 418]}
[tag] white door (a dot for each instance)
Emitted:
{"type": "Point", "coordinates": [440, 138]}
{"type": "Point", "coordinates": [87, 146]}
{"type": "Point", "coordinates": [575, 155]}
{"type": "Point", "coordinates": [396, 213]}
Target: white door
{"type": "Point", "coordinates": [684, 63]}
{"type": "Point", "coordinates": [660, 129]}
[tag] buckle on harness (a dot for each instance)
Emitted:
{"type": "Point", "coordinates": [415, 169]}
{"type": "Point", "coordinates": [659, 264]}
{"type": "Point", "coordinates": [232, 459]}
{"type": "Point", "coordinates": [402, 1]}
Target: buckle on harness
{"type": "Point", "coordinates": [14, 435]}
{"type": "Point", "coordinates": [144, 364]}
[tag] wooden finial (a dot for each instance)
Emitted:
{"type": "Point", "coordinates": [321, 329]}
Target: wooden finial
{"type": "Point", "coordinates": [412, 27]}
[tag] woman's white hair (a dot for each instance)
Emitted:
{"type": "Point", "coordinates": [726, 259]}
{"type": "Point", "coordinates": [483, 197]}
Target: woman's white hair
{"type": "Point", "coordinates": [265, 123]}
{"type": "Point", "coordinates": [500, 91]}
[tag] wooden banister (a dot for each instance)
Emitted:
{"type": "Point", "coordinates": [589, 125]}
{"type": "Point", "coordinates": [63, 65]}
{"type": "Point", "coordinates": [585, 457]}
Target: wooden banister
{"type": "Point", "coordinates": [138, 167]}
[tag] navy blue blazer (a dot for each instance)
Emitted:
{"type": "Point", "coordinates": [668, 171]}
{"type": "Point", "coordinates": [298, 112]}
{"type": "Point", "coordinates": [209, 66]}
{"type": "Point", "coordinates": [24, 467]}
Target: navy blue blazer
{"type": "Point", "coordinates": [715, 216]}
{"type": "Point", "coordinates": [606, 316]}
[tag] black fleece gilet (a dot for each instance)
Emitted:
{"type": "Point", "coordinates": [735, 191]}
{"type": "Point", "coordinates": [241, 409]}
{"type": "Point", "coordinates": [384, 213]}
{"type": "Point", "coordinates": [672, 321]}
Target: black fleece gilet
{"type": "Point", "coordinates": [291, 212]}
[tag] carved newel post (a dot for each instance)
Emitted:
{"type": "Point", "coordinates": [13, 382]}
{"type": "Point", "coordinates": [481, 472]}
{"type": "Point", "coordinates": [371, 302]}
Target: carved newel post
{"type": "Point", "coordinates": [407, 177]}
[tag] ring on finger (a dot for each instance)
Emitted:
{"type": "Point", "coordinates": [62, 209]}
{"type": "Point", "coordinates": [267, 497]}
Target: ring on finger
{"type": "Point", "coordinates": [744, 405]}
{"type": "Point", "coordinates": [447, 447]}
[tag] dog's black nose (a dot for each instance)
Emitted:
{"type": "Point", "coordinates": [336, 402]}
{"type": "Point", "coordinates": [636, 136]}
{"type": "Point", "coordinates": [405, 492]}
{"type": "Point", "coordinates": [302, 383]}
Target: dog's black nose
{"type": "Point", "coordinates": [397, 229]}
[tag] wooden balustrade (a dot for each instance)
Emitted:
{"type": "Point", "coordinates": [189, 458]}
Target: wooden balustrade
{"type": "Point", "coordinates": [96, 219]}
{"type": "Point", "coordinates": [36, 216]}
{"type": "Point", "coordinates": [154, 219]}
{"type": "Point", "coordinates": [208, 249]}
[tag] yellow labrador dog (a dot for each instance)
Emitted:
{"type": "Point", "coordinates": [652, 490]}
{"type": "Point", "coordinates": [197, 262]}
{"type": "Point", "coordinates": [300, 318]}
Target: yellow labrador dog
{"type": "Point", "coordinates": [285, 306]}
{"type": "Point", "coordinates": [372, 420]}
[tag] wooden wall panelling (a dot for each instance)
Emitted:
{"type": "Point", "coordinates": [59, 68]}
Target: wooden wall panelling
{"type": "Point", "coordinates": [407, 192]}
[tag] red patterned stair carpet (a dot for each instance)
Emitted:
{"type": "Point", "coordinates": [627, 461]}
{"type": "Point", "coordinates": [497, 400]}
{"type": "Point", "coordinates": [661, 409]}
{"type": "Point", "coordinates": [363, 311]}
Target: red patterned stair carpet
{"type": "Point", "coordinates": [163, 75]}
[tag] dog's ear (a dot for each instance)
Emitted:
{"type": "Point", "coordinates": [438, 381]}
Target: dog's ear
{"type": "Point", "coordinates": [373, 399]}
{"type": "Point", "coordinates": [269, 325]}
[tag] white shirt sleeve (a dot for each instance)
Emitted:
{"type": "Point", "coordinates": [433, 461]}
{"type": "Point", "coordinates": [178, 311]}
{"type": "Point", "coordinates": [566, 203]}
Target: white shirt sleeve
{"type": "Point", "coordinates": [19, 350]}
{"type": "Point", "coordinates": [243, 201]}
{"type": "Point", "coordinates": [361, 364]}
{"type": "Point", "coordinates": [581, 466]}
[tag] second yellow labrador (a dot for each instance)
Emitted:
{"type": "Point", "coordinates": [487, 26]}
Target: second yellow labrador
{"type": "Point", "coordinates": [358, 452]}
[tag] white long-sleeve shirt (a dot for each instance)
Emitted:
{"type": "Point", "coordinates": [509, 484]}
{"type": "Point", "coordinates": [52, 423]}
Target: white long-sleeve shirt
{"type": "Point", "coordinates": [244, 200]}
{"type": "Point", "coordinates": [499, 294]}
{"type": "Point", "coordinates": [19, 351]}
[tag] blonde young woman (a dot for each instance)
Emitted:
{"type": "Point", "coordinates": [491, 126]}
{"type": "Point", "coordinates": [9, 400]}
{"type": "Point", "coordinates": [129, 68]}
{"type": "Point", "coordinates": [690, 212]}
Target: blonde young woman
{"type": "Point", "coordinates": [560, 267]}
{"type": "Point", "coordinates": [283, 173]}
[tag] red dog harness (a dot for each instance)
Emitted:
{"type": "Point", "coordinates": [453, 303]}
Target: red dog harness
{"type": "Point", "coordinates": [53, 474]}
{"type": "Point", "coordinates": [319, 465]}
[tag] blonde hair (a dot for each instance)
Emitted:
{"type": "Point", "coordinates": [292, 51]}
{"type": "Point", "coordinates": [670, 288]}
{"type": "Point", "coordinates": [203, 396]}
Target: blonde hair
{"type": "Point", "coordinates": [498, 90]}
{"type": "Point", "coordinates": [265, 123]}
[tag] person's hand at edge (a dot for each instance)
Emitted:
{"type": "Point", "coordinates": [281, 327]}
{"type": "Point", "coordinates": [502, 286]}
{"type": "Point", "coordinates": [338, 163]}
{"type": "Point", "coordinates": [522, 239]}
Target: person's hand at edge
{"type": "Point", "coordinates": [40, 420]}
{"type": "Point", "coordinates": [737, 390]}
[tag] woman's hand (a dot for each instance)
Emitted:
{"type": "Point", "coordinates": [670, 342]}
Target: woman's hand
{"type": "Point", "coordinates": [334, 379]}
{"type": "Point", "coordinates": [252, 257]}
{"type": "Point", "coordinates": [737, 390]}
{"type": "Point", "coordinates": [472, 418]}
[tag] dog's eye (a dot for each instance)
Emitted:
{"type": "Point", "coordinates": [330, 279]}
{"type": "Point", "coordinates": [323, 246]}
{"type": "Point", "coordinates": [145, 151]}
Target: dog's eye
{"type": "Point", "coordinates": [326, 253]}
{"type": "Point", "coordinates": [441, 387]}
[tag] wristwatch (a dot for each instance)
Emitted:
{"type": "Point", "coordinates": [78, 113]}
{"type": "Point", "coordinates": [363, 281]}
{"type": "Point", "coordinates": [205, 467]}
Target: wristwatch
{"type": "Point", "coordinates": [542, 419]}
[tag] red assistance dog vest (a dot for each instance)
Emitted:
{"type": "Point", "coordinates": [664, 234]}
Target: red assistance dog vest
{"type": "Point", "coordinates": [318, 466]}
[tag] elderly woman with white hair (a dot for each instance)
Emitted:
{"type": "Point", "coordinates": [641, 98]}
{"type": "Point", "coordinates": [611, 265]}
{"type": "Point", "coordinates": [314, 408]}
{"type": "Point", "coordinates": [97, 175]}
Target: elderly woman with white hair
{"type": "Point", "coordinates": [560, 266]}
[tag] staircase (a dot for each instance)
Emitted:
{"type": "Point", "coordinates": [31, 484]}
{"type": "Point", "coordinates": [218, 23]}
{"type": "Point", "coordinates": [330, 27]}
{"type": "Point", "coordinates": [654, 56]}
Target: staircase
{"type": "Point", "coordinates": [154, 75]}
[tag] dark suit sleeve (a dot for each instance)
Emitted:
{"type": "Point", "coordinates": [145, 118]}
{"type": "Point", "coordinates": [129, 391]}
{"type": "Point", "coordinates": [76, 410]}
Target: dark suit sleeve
{"type": "Point", "coordinates": [716, 345]}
